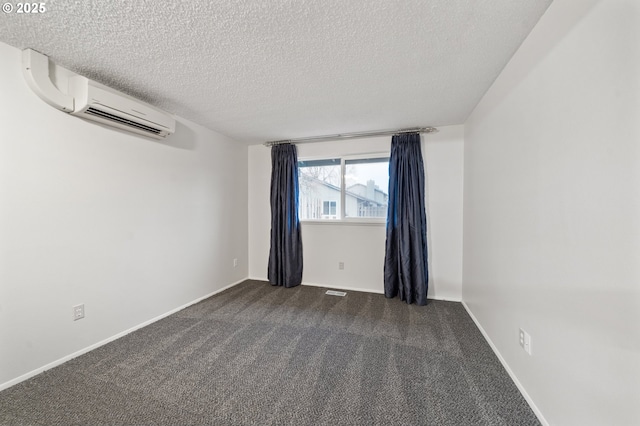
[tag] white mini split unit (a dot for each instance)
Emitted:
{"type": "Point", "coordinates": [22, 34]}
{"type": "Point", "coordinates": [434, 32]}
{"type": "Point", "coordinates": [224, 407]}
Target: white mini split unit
{"type": "Point", "coordinates": [93, 101]}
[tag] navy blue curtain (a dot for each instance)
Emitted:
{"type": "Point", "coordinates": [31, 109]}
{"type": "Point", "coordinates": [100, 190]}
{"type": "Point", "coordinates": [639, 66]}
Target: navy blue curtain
{"type": "Point", "coordinates": [406, 272]}
{"type": "Point", "coordinates": [285, 255]}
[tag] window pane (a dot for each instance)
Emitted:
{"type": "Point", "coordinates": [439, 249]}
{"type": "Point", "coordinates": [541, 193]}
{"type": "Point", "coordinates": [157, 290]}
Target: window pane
{"type": "Point", "coordinates": [319, 185]}
{"type": "Point", "coordinates": [367, 185]}
{"type": "Point", "coordinates": [329, 208]}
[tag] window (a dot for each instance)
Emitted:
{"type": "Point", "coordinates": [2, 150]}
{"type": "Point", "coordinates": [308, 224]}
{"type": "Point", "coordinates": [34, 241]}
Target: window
{"type": "Point", "coordinates": [329, 209]}
{"type": "Point", "coordinates": [319, 189]}
{"type": "Point", "coordinates": [366, 187]}
{"type": "Point", "coordinates": [350, 188]}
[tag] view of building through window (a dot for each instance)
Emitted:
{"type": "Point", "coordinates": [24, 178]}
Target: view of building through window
{"type": "Point", "coordinates": [366, 183]}
{"type": "Point", "coordinates": [319, 189]}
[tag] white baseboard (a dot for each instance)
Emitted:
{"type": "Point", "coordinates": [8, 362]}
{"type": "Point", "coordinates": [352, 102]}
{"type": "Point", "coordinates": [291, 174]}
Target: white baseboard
{"type": "Point", "coordinates": [66, 358]}
{"type": "Point", "coordinates": [367, 290]}
{"type": "Point", "coordinates": [445, 299]}
{"type": "Point", "coordinates": [521, 388]}
{"type": "Point", "coordinates": [336, 287]}
{"type": "Point", "coordinates": [333, 287]}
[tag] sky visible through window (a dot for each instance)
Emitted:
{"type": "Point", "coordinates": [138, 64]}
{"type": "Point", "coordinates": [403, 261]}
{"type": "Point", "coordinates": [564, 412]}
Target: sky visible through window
{"type": "Point", "coordinates": [361, 173]}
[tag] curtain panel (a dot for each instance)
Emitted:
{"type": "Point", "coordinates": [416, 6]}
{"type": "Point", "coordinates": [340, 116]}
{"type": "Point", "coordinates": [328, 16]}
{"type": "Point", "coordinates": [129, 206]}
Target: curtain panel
{"type": "Point", "coordinates": [285, 254]}
{"type": "Point", "coordinates": [406, 272]}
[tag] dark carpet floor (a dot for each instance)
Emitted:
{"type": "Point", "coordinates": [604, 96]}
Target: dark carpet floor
{"type": "Point", "coordinates": [263, 355]}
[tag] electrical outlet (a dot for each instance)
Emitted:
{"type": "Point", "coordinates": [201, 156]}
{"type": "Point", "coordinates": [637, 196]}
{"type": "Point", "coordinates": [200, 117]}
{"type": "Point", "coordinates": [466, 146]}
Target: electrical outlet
{"type": "Point", "coordinates": [525, 341]}
{"type": "Point", "coordinates": [235, 263]}
{"type": "Point", "coordinates": [78, 312]}
{"type": "Point", "coordinates": [340, 265]}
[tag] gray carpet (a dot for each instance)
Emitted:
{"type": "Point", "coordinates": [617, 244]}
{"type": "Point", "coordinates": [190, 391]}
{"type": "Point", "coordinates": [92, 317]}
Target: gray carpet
{"type": "Point", "coordinates": [263, 355]}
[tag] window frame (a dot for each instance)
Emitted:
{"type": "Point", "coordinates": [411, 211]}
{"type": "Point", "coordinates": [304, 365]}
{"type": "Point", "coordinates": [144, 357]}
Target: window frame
{"type": "Point", "coordinates": [341, 218]}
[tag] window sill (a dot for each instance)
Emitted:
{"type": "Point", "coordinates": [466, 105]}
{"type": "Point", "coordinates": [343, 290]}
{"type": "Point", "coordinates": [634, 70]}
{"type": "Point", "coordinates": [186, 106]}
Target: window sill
{"type": "Point", "coordinates": [345, 222]}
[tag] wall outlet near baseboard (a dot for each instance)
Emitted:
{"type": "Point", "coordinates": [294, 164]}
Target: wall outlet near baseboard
{"type": "Point", "coordinates": [235, 263]}
{"type": "Point", "coordinates": [78, 312]}
{"type": "Point", "coordinates": [341, 265]}
{"type": "Point", "coordinates": [525, 341]}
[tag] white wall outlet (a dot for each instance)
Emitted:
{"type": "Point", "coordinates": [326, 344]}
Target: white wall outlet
{"type": "Point", "coordinates": [525, 341]}
{"type": "Point", "coordinates": [340, 265]}
{"type": "Point", "coordinates": [235, 263]}
{"type": "Point", "coordinates": [78, 312]}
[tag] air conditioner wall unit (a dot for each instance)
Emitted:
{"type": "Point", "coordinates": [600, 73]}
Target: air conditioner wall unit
{"type": "Point", "coordinates": [88, 99]}
{"type": "Point", "coordinates": [94, 101]}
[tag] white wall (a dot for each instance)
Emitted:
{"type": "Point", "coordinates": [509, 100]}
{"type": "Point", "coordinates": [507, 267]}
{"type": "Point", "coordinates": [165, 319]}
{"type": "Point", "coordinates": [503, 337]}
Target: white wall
{"type": "Point", "coordinates": [131, 227]}
{"type": "Point", "coordinates": [552, 213]}
{"type": "Point", "coordinates": [361, 247]}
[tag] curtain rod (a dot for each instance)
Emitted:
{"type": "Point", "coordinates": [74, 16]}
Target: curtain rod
{"type": "Point", "coordinates": [353, 135]}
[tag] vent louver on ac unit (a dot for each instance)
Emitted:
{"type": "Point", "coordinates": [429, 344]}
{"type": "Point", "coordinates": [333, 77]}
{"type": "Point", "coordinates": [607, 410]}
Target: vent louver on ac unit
{"type": "Point", "coordinates": [120, 120]}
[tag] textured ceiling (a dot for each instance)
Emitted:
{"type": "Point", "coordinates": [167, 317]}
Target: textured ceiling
{"type": "Point", "coordinates": [278, 69]}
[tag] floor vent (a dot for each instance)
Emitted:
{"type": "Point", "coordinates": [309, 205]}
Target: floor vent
{"type": "Point", "coordinates": [335, 293]}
